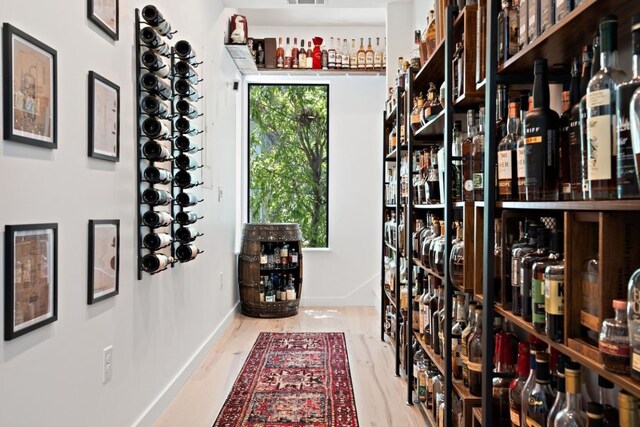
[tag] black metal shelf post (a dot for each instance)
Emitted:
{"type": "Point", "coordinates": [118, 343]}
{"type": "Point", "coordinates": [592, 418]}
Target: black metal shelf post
{"type": "Point", "coordinates": [408, 226]}
{"type": "Point", "coordinates": [385, 143]}
{"type": "Point", "coordinates": [399, 113]}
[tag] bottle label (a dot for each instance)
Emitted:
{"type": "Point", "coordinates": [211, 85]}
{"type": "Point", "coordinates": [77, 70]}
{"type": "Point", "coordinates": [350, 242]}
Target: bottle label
{"type": "Point", "coordinates": [614, 349]}
{"type": "Point", "coordinates": [504, 164]}
{"type": "Point", "coordinates": [599, 147]}
{"type": "Point", "coordinates": [263, 259]}
{"type": "Point", "coordinates": [291, 294]}
{"type": "Point", "coordinates": [294, 259]}
{"type": "Point", "coordinates": [270, 298]}
{"type": "Point", "coordinates": [537, 294]}
{"type": "Point", "coordinates": [332, 57]}
{"type": "Point", "coordinates": [369, 59]}
{"type": "Point", "coordinates": [522, 36]}
{"type": "Point", "coordinates": [515, 281]}
{"type": "Point", "coordinates": [361, 60]}
{"type": "Point", "coordinates": [520, 160]}
{"type": "Point", "coordinates": [635, 361]}
{"type": "Point", "coordinates": [478, 181]}
{"type": "Point", "coordinates": [599, 98]}
{"type": "Point", "coordinates": [554, 296]}
{"type": "Point", "coordinates": [475, 367]}
{"type": "Point", "coordinates": [531, 423]}
{"type": "Point", "coordinates": [515, 417]}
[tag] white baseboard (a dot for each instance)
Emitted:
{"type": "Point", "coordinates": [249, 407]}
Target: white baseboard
{"type": "Point", "coordinates": [159, 404]}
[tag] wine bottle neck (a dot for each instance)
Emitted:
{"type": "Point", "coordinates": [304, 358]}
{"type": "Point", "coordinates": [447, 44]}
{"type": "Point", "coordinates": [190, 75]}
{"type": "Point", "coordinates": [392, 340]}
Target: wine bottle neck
{"type": "Point", "coordinates": [541, 91]}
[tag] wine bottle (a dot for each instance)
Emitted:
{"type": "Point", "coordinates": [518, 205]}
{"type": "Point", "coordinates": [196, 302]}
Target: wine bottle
{"type": "Point", "coordinates": [153, 17]}
{"type": "Point", "coordinates": [155, 63]}
{"type": "Point", "coordinates": [156, 197]}
{"type": "Point", "coordinates": [154, 175]}
{"type": "Point", "coordinates": [187, 234]}
{"type": "Point", "coordinates": [187, 199]}
{"type": "Point", "coordinates": [184, 144]}
{"type": "Point", "coordinates": [185, 51]}
{"type": "Point", "coordinates": [184, 179]}
{"type": "Point", "coordinates": [155, 128]}
{"type": "Point", "coordinates": [155, 241]}
{"type": "Point", "coordinates": [156, 219]}
{"type": "Point", "coordinates": [152, 40]}
{"type": "Point", "coordinates": [152, 106]}
{"type": "Point", "coordinates": [186, 253]}
{"type": "Point", "coordinates": [184, 70]}
{"type": "Point", "coordinates": [185, 90]}
{"type": "Point", "coordinates": [186, 218]}
{"type": "Point", "coordinates": [185, 127]}
{"type": "Point", "coordinates": [185, 108]}
{"type": "Point", "coordinates": [186, 162]}
{"type": "Point", "coordinates": [156, 85]}
{"type": "Point", "coordinates": [155, 151]}
{"type": "Point", "coordinates": [153, 263]}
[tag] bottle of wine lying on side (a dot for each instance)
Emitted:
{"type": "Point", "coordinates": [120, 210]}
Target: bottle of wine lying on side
{"type": "Point", "coordinates": [185, 127]}
{"type": "Point", "coordinates": [154, 263]}
{"type": "Point", "coordinates": [155, 151]}
{"type": "Point", "coordinates": [185, 90]}
{"type": "Point", "coordinates": [186, 109]}
{"type": "Point", "coordinates": [187, 234]}
{"type": "Point", "coordinates": [154, 175]}
{"type": "Point", "coordinates": [155, 63]}
{"type": "Point", "coordinates": [157, 219]}
{"type": "Point", "coordinates": [156, 85]}
{"type": "Point", "coordinates": [153, 17]}
{"type": "Point", "coordinates": [185, 51]}
{"type": "Point", "coordinates": [185, 253]}
{"type": "Point", "coordinates": [156, 197]}
{"type": "Point", "coordinates": [184, 70]}
{"type": "Point", "coordinates": [186, 218]}
{"type": "Point", "coordinates": [184, 144]}
{"type": "Point", "coordinates": [155, 128]}
{"type": "Point", "coordinates": [152, 106]}
{"type": "Point", "coordinates": [184, 179]}
{"type": "Point", "coordinates": [187, 199]}
{"type": "Point", "coordinates": [152, 40]}
{"type": "Point", "coordinates": [155, 241]}
{"type": "Point", "coordinates": [186, 162]}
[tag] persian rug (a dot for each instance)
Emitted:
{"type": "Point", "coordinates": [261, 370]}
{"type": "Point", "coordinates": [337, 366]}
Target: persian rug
{"type": "Point", "coordinates": [293, 380]}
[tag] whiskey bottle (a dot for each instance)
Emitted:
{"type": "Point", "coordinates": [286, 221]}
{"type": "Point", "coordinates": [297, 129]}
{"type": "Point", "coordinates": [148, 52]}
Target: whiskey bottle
{"type": "Point", "coordinates": [467, 157]}
{"type": "Point", "coordinates": [504, 374]}
{"type": "Point", "coordinates": [569, 99]}
{"type": "Point", "coordinates": [584, 142]}
{"type": "Point", "coordinates": [595, 415]}
{"type": "Point", "coordinates": [507, 163]}
{"type": "Point", "coordinates": [508, 26]}
{"type": "Point", "coordinates": [302, 55]}
{"type": "Point", "coordinates": [415, 53]}
{"type": "Point", "coordinates": [520, 143]}
{"type": "Point", "coordinates": [280, 54]}
{"type": "Point", "coordinates": [362, 56]}
{"type": "Point", "coordinates": [475, 356]}
{"type": "Point", "coordinates": [537, 279]}
{"type": "Point", "coordinates": [547, 14]}
{"type": "Point", "coordinates": [331, 55]}
{"type": "Point", "coordinates": [353, 55]}
{"type": "Point", "coordinates": [416, 113]}
{"type": "Point", "coordinates": [515, 389]}
{"type": "Point", "coordinates": [526, 273]}
{"type": "Point", "coordinates": [435, 323]}
{"type": "Point", "coordinates": [519, 250]}
{"type": "Point", "coordinates": [464, 341]}
{"type": "Point", "coordinates": [535, 346]}
{"type": "Point", "coordinates": [572, 415]}
{"type": "Point", "coordinates": [502, 111]}
{"type": "Point", "coordinates": [626, 171]}
{"type": "Point", "coordinates": [369, 56]}
{"type": "Point", "coordinates": [295, 54]}
{"type": "Point", "coordinates": [309, 55]}
{"type": "Point", "coordinates": [629, 414]}
{"type": "Point", "coordinates": [456, 161]}
{"type": "Point", "coordinates": [576, 156]}
{"type": "Point", "coordinates": [533, 21]}
{"type": "Point", "coordinates": [456, 335]}
{"type": "Point", "coordinates": [434, 306]}
{"type": "Point", "coordinates": [601, 102]}
{"type": "Point", "coordinates": [541, 150]}
{"type": "Point", "coordinates": [542, 396]}
{"type": "Point", "coordinates": [338, 50]}
{"type": "Point", "coordinates": [377, 55]}
{"type": "Point", "coordinates": [554, 301]}
{"type": "Point", "coordinates": [456, 260]}
{"type": "Point", "coordinates": [633, 314]}
{"type": "Point", "coordinates": [561, 392]}
{"type": "Point", "coordinates": [324, 57]}
{"type": "Point", "coordinates": [431, 34]}
{"type": "Point", "coordinates": [345, 54]}
{"type": "Point", "coordinates": [478, 159]}
{"type": "Point", "coordinates": [614, 340]}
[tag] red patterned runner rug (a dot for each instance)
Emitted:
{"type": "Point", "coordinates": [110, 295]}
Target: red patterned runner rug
{"type": "Point", "coordinates": [293, 380]}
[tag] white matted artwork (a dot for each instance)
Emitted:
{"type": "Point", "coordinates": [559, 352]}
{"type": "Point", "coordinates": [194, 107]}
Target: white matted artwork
{"type": "Point", "coordinates": [104, 118]}
{"type": "Point", "coordinates": [104, 259]}
{"type": "Point", "coordinates": [104, 13]}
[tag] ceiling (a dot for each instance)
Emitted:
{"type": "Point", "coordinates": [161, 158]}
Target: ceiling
{"type": "Point", "coordinates": [280, 13]}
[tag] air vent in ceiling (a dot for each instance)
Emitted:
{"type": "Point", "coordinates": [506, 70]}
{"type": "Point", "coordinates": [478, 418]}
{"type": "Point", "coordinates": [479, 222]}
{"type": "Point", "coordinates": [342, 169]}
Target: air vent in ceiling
{"type": "Point", "coordinates": [320, 2]}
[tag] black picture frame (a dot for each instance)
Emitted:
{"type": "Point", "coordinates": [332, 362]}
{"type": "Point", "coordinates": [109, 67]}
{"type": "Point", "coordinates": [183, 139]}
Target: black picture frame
{"type": "Point", "coordinates": [95, 150]}
{"type": "Point", "coordinates": [31, 274]}
{"type": "Point", "coordinates": [29, 117]}
{"type": "Point", "coordinates": [93, 15]}
{"type": "Point", "coordinates": [100, 268]}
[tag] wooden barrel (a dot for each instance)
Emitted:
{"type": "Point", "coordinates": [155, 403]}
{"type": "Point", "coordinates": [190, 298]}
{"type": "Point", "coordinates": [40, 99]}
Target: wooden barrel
{"type": "Point", "coordinates": [254, 236]}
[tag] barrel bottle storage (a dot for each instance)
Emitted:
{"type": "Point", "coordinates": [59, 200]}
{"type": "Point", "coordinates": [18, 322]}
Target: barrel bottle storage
{"type": "Point", "coordinates": [270, 270]}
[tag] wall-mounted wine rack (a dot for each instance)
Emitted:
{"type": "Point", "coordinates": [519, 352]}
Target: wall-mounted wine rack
{"type": "Point", "coordinates": [166, 81]}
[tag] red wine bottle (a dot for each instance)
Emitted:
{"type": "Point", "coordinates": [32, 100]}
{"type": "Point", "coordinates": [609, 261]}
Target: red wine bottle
{"type": "Point", "coordinates": [152, 106]}
{"type": "Point", "coordinates": [185, 51]}
{"type": "Point", "coordinates": [155, 152]}
{"type": "Point", "coordinates": [156, 175]}
{"type": "Point", "coordinates": [187, 199]}
{"type": "Point", "coordinates": [153, 17]}
{"type": "Point", "coordinates": [156, 219]}
{"type": "Point", "coordinates": [156, 197]}
{"type": "Point", "coordinates": [153, 263]}
{"type": "Point", "coordinates": [155, 128]}
{"type": "Point", "coordinates": [186, 162]}
{"type": "Point", "coordinates": [184, 179]}
{"type": "Point", "coordinates": [186, 218]}
{"type": "Point", "coordinates": [186, 253]}
{"type": "Point", "coordinates": [184, 144]}
{"type": "Point", "coordinates": [155, 241]}
{"type": "Point", "coordinates": [185, 90]}
{"type": "Point", "coordinates": [184, 70]}
{"type": "Point", "coordinates": [152, 40]}
{"type": "Point", "coordinates": [155, 63]}
{"type": "Point", "coordinates": [156, 85]}
{"type": "Point", "coordinates": [185, 127]}
{"type": "Point", "coordinates": [187, 234]}
{"type": "Point", "coordinates": [186, 109]}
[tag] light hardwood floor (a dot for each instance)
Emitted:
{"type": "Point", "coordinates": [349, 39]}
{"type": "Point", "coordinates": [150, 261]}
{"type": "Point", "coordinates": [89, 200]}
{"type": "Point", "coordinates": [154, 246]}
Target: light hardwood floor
{"type": "Point", "coordinates": [380, 396]}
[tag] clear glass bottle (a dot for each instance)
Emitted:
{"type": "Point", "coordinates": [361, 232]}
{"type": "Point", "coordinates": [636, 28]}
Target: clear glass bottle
{"type": "Point", "coordinates": [467, 157]}
{"type": "Point", "coordinates": [475, 356]}
{"type": "Point", "coordinates": [456, 260]}
{"type": "Point", "coordinates": [589, 308]}
{"type": "Point", "coordinates": [629, 413]}
{"type": "Point", "coordinates": [501, 383]}
{"type": "Point", "coordinates": [436, 252]}
{"type": "Point", "coordinates": [541, 398]}
{"type": "Point", "coordinates": [456, 335]}
{"type": "Point", "coordinates": [418, 103]}
{"type": "Point", "coordinates": [607, 400]}
{"type": "Point", "coordinates": [497, 260]}
{"type": "Point", "coordinates": [436, 331]}
{"type": "Point", "coordinates": [575, 133]}
{"type": "Point", "coordinates": [601, 102]}
{"type": "Point", "coordinates": [508, 22]}
{"type": "Point", "coordinates": [554, 301]}
{"type": "Point", "coordinates": [456, 162]}
{"type": "Point", "coordinates": [507, 163]}
{"type": "Point", "coordinates": [614, 340]}
{"type": "Point", "coordinates": [570, 99]}
{"type": "Point", "coordinates": [478, 159]}
{"type": "Point", "coordinates": [535, 347]}
{"type": "Point", "coordinates": [464, 341]}
{"type": "Point", "coordinates": [633, 318]}
{"type": "Point", "coordinates": [572, 415]}
{"type": "Point", "coordinates": [526, 277]}
{"type": "Point", "coordinates": [515, 389]}
{"type": "Point", "coordinates": [519, 250]}
{"type": "Point", "coordinates": [537, 279]}
{"type": "Point", "coordinates": [415, 53]}
{"type": "Point", "coordinates": [561, 396]}
{"type": "Point", "coordinates": [520, 143]}
{"type": "Point", "coordinates": [426, 244]}
{"type": "Point", "coordinates": [431, 34]}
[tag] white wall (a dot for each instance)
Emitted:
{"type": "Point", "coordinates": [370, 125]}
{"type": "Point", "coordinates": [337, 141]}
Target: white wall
{"type": "Point", "coordinates": [421, 10]}
{"type": "Point", "coordinates": [399, 37]}
{"type": "Point", "coordinates": [53, 376]}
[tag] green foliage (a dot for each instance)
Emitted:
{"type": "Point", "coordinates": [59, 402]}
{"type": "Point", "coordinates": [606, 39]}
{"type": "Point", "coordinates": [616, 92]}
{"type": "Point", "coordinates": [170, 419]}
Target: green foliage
{"type": "Point", "coordinates": [288, 170]}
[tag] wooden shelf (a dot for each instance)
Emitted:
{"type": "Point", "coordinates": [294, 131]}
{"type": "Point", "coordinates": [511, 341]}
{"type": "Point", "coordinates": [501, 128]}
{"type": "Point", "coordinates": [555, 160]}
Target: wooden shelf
{"type": "Point", "coordinates": [432, 70]}
{"type": "Point", "coordinates": [565, 39]}
{"type": "Point", "coordinates": [393, 248]}
{"type": "Point", "coordinates": [391, 115]}
{"type": "Point", "coordinates": [419, 263]}
{"type": "Point", "coordinates": [624, 382]}
{"type": "Point", "coordinates": [392, 155]}
{"type": "Point", "coordinates": [477, 414]}
{"type": "Point", "coordinates": [429, 206]}
{"type": "Point", "coordinates": [390, 206]}
{"type": "Point", "coordinates": [390, 297]}
{"type": "Point", "coordinates": [434, 127]}
{"type": "Point", "coordinates": [470, 100]}
{"type": "Point", "coordinates": [242, 58]}
{"type": "Point", "coordinates": [587, 205]}
{"type": "Point", "coordinates": [314, 72]}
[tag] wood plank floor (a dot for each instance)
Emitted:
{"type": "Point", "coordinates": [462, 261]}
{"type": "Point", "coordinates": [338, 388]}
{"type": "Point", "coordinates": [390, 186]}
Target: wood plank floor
{"type": "Point", "coordinates": [380, 396]}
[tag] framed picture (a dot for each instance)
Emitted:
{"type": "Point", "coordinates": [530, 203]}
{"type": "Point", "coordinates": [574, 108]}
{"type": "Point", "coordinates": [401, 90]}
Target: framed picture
{"type": "Point", "coordinates": [30, 89]}
{"type": "Point", "coordinates": [31, 278]}
{"type": "Point", "coordinates": [104, 118]}
{"type": "Point", "coordinates": [105, 14]}
{"type": "Point", "coordinates": [104, 259]}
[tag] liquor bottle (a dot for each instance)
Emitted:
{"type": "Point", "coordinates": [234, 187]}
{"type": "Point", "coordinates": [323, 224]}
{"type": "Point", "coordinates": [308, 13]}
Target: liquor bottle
{"type": "Point", "coordinates": [345, 54]}
{"type": "Point", "coordinates": [633, 315]}
{"type": "Point", "coordinates": [584, 140]}
{"type": "Point", "coordinates": [288, 61]}
{"type": "Point", "coordinates": [629, 414]}
{"type": "Point", "coordinates": [517, 384]}
{"type": "Point", "coordinates": [505, 372]}
{"type": "Point", "coordinates": [601, 102]}
{"type": "Point", "coordinates": [431, 34]}
{"type": "Point", "coordinates": [502, 111]}
{"type": "Point", "coordinates": [497, 260]}
{"type": "Point", "coordinates": [185, 90]}
{"type": "Point", "coordinates": [331, 55]}
{"type": "Point", "coordinates": [324, 57]}
{"type": "Point", "coordinates": [156, 197]}
{"type": "Point", "coordinates": [523, 24]}
{"type": "Point", "coordinates": [478, 159]}
{"type": "Point", "coordinates": [561, 394]}
{"type": "Point", "coordinates": [627, 177]}
{"type": "Point", "coordinates": [529, 244]}
{"type": "Point", "coordinates": [294, 257]}
{"type": "Point", "coordinates": [155, 241]}
{"type": "Point", "coordinates": [537, 279]}
{"type": "Point", "coordinates": [186, 253]}
{"type": "Point", "coordinates": [456, 260]}
{"type": "Point", "coordinates": [186, 162]}
{"type": "Point", "coordinates": [467, 157]}
{"type": "Point", "coordinates": [377, 55]}
{"type": "Point", "coordinates": [456, 335]}
{"type": "Point", "coordinates": [595, 415]}
{"type": "Point", "coordinates": [153, 17]}
{"type": "Point", "coordinates": [576, 158]}
{"type": "Point", "coordinates": [156, 219]}
{"type": "Point", "coordinates": [508, 22]}
{"type": "Point", "coordinates": [187, 199]}
{"type": "Point", "coordinates": [270, 294]}
{"type": "Point", "coordinates": [435, 303]}
{"type": "Point", "coordinates": [520, 143]}
{"type": "Point", "coordinates": [464, 341]}
{"type": "Point", "coordinates": [302, 55]}
{"type": "Point", "coordinates": [309, 55]}
{"type": "Point", "coordinates": [547, 14]}
{"type": "Point", "coordinates": [353, 55]}
{"type": "Point", "coordinates": [416, 122]}
{"type": "Point", "coordinates": [456, 161]}
{"type": "Point", "coordinates": [554, 301]}
{"type": "Point", "coordinates": [152, 106]}
{"type": "Point", "coordinates": [507, 164]}
{"type": "Point", "coordinates": [186, 218]}
{"type": "Point", "coordinates": [415, 53]}
{"type": "Point", "coordinates": [614, 340]}
{"type": "Point", "coordinates": [542, 396]}
{"type": "Point", "coordinates": [295, 54]}
{"type": "Point", "coordinates": [572, 415]}
{"type": "Point", "coordinates": [280, 54]}
{"type": "Point", "coordinates": [534, 347]}
{"type": "Point", "coordinates": [436, 251]}
{"type": "Point", "coordinates": [533, 21]}
{"type": "Point", "coordinates": [156, 262]}
{"type": "Point", "coordinates": [607, 400]}
{"type": "Point", "coordinates": [260, 64]}
{"type": "Point", "coordinates": [361, 56]}
{"type": "Point", "coordinates": [369, 56]}
{"type": "Point", "coordinates": [541, 151]}
{"type": "Point", "coordinates": [525, 274]}
{"type": "Point", "coordinates": [186, 109]}
{"type": "Point", "coordinates": [291, 289]}
{"type": "Point", "coordinates": [475, 356]}
{"type": "Point", "coordinates": [569, 99]}
{"type": "Point", "coordinates": [156, 85]}
{"type": "Point", "coordinates": [261, 291]}
{"type": "Point", "coordinates": [154, 175]}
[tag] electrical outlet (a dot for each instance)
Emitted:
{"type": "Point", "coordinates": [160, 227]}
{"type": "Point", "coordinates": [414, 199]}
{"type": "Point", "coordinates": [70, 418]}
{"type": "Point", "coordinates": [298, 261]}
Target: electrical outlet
{"type": "Point", "coordinates": [107, 364]}
{"type": "Point", "coordinates": [221, 279]}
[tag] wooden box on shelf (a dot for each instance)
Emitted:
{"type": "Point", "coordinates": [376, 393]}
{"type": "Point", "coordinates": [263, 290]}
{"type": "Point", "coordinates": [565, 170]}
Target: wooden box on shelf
{"type": "Point", "coordinates": [612, 238]}
{"type": "Point", "coordinates": [481, 41]}
{"type": "Point", "coordinates": [270, 53]}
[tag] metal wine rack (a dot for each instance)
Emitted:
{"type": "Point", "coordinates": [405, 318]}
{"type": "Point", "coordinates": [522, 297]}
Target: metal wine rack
{"type": "Point", "coordinates": [167, 133]}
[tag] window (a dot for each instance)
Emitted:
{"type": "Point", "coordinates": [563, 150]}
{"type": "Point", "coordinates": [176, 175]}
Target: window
{"type": "Point", "coordinates": [288, 157]}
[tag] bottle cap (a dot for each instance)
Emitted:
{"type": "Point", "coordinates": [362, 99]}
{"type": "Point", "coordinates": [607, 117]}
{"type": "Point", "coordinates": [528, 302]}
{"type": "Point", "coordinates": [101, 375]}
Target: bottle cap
{"type": "Point", "coordinates": [557, 241]}
{"type": "Point", "coordinates": [627, 401]}
{"type": "Point", "coordinates": [619, 304]}
{"type": "Point", "coordinates": [635, 35]}
{"type": "Point", "coordinates": [595, 410]}
{"type": "Point", "coordinates": [608, 33]}
{"type": "Point", "coordinates": [540, 66]}
{"type": "Point", "coordinates": [604, 383]}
